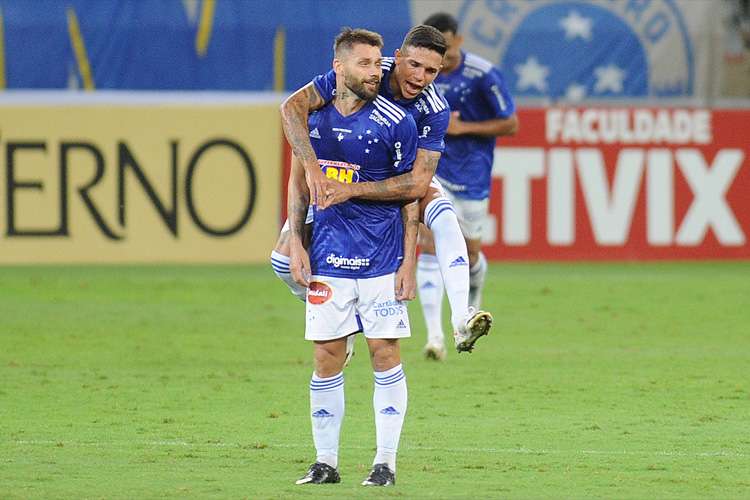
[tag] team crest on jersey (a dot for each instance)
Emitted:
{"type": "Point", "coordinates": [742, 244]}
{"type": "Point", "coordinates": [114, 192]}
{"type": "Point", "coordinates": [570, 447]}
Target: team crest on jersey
{"type": "Point", "coordinates": [319, 293]}
{"type": "Point", "coordinates": [340, 170]}
{"type": "Point", "coordinates": [658, 61]}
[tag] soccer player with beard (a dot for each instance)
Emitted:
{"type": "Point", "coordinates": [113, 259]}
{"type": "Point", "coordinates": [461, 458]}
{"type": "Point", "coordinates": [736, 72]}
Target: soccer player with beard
{"type": "Point", "coordinates": [407, 79]}
{"type": "Point", "coordinates": [355, 250]}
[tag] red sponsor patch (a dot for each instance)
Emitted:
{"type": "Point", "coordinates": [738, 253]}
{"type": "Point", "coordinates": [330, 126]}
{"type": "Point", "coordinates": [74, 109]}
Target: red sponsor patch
{"type": "Point", "coordinates": [319, 293]}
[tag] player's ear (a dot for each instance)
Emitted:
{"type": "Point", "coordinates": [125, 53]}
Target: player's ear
{"type": "Point", "coordinates": [337, 65]}
{"type": "Point", "coordinates": [397, 53]}
{"type": "Point", "coordinates": [459, 40]}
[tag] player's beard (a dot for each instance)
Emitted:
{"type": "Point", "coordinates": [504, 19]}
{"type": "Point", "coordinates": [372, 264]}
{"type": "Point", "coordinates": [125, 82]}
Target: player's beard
{"type": "Point", "coordinates": [360, 89]}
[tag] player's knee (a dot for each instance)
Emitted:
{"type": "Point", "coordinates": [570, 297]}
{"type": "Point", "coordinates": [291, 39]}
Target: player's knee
{"type": "Point", "coordinates": [385, 354]}
{"type": "Point", "coordinates": [329, 358]}
{"type": "Point", "coordinates": [473, 248]}
{"type": "Point", "coordinates": [473, 258]}
{"type": "Point", "coordinates": [426, 243]}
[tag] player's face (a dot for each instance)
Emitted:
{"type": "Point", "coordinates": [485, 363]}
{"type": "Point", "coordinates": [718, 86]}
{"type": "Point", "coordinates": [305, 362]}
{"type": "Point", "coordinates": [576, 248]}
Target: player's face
{"type": "Point", "coordinates": [360, 67]}
{"type": "Point", "coordinates": [452, 57]}
{"type": "Point", "coordinates": [416, 68]}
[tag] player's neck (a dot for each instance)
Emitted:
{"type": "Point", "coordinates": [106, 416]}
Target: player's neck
{"type": "Point", "coordinates": [347, 102]}
{"type": "Point", "coordinates": [393, 85]}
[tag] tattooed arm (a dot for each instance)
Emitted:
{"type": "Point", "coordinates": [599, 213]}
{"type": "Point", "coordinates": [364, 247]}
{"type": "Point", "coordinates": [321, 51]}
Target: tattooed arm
{"type": "Point", "coordinates": [406, 283]}
{"type": "Point", "coordinates": [295, 111]}
{"type": "Point", "coordinates": [409, 186]}
{"type": "Point", "coordinates": [298, 200]}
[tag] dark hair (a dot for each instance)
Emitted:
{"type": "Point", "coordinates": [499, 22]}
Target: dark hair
{"type": "Point", "coordinates": [427, 37]}
{"type": "Point", "coordinates": [443, 22]}
{"type": "Point", "coordinates": [351, 36]}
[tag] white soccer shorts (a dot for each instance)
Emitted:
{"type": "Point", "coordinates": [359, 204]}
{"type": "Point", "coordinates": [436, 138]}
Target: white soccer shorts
{"type": "Point", "coordinates": [333, 304]}
{"type": "Point", "coordinates": [471, 214]}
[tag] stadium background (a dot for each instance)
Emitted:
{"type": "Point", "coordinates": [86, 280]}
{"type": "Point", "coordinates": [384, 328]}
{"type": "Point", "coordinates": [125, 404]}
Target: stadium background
{"type": "Point", "coordinates": [147, 131]}
{"type": "Point", "coordinates": [144, 133]}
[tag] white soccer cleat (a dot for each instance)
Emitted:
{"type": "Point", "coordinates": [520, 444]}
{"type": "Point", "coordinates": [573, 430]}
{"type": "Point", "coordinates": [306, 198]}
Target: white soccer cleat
{"type": "Point", "coordinates": [434, 351]}
{"type": "Point", "coordinates": [478, 324]}
{"type": "Point", "coordinates": [349, 349]}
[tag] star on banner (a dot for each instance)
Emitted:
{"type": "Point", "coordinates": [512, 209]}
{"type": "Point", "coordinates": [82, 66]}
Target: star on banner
{"type": "Point", "coordinates": [575, 92]}
{"type": "Point", "coordinates": [610, 78]}
{"type": "Point", "coordinates": [532, 74]}
{"type": "Point", "coordinates": [576, 25]}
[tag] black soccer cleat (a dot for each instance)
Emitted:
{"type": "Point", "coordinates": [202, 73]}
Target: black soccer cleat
{"type": "Point", "coordinates": [320, 473]}
{"type": "Point", "coordinates": [380, 475]}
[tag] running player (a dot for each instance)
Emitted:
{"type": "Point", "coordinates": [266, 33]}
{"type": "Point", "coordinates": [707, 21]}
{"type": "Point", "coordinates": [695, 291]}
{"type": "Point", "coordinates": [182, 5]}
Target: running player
{"type": "Point", "coordinates": [481, 110]}
{"type": "Point", "coordinates": [355, 250]}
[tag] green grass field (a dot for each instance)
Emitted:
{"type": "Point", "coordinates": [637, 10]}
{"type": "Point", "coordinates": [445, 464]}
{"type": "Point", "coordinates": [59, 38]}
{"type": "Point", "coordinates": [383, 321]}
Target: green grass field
{"type": "Point", "coordinates": [598, 380]}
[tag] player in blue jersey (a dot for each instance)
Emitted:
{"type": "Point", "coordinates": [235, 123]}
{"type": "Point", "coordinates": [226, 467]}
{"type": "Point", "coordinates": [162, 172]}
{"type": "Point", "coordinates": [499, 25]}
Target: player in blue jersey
{"type": "Point", "coordinates": [407, 79]}
{"type": "Point", "coordinates": [482, 109]}
{"type": "Point", "coordinates": [355, 250]}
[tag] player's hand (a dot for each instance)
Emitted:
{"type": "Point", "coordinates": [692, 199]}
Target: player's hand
{"type": "Point", "coordinates": [335, 193]}
{"type": "Point", "coordinates": [299, 265]}
{"type": "Point", "coordinates": [406, 282]}
{"type": "Point", "coordinates": [455, 125]}
{"type": "Point", "coordinates": [317, 183]}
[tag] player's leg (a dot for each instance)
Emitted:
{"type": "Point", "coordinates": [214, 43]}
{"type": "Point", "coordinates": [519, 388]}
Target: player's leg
{"type": "Point", "coordinates": [329, 319]}
{"type": "Point", "coordinates": [280, 263]}
{"type": "Point", "coordinates": [477, 271]}
{"type": "Point", "coordinates": [385, 321]}
{"type": "Point", "coordinates": [443, 215]}
{"type": "Point", "coordinates": [430, 288]}
{"type": "Point", "coordinates": [472, 215]}
{"type": "Point", "coordinates": [439, 216]}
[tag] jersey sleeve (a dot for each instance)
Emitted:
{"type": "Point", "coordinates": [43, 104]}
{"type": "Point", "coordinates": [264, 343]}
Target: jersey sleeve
{"type": "Point", "coordinates": [405, 144]}
{"type": "Point", "coordinates": [431, 130]}
{"type": "Point", "coordinates": [497, 94]}
{"type": "Point", "coordinates": [326, 85]}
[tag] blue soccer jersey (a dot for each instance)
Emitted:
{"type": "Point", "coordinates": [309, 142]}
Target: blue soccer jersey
{"type": "Point", "coordinates": [477, 91]}
{"type": "Point", "coordinates": [357, 238]}
{"type": "Point", "coordinates": [429, 109]}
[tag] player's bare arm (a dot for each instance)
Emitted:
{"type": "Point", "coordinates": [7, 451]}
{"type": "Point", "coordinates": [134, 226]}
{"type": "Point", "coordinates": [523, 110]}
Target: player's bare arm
{"type": "Point", "coordinates": [295, 111]}
{"type": "Point", "coordinates": [405, 187]}
{"type": "Point", "coordinates": [406, 281]}
{"type": "Point", "coordinates": [298, 200]}
{"type": "Point", "coordinates": [497, 127]}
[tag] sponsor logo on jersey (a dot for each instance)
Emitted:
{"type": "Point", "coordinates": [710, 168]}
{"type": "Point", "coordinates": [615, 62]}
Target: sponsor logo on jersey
{"type": "Point", "coordinates": [379, 119]}
{"type": "Point", "coordinates": [342, 262]}
{"type": "Point", "coordinates": [319, 293]}
{"type": "Point", "coordinates": [340, 171]}
{"type": "Point", "coordinates": [401, 324]}
{"type": "Point", "coordinates": [314, 133]}
{"type": "Point", "coordinates": [340, 133]}
{"type": "Point", "coordinates": [422, 106]}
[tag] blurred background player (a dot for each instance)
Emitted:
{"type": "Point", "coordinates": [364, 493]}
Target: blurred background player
{"type": "Point", "coordinates": [355, 250]}
{"type": "Point", "coordinates": [407, 79]}
{"type": "Point", "coordinates": [481, 110]}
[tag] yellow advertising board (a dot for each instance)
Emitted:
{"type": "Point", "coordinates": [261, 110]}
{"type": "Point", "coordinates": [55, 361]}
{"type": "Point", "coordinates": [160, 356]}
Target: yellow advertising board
{"type": "Point", "coordinates": [139, 183]}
